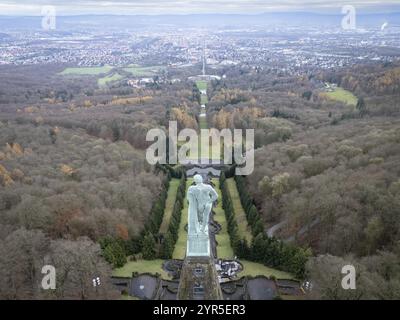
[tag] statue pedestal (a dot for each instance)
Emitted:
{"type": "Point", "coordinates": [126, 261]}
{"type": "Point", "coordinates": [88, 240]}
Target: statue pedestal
{"type": "Point", "coordinates": [199, 277]}
{"type": "Point", "coordinates": [198, 246]}
{"type": "Point", "coordinates": [199, 280]}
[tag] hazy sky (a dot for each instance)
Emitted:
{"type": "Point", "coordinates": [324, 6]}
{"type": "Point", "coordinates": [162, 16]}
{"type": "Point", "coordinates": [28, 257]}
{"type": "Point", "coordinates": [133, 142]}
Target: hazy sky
{"type": "Point", "coordinates": [65, 7]}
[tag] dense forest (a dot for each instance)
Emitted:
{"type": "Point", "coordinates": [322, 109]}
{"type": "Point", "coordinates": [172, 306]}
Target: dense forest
{"type": "Point", "coordinates": [325, 171]}
{"type": "Point", "coordinates": [75, 185]}
{"type": "Point", "coordinates": [74, 181]}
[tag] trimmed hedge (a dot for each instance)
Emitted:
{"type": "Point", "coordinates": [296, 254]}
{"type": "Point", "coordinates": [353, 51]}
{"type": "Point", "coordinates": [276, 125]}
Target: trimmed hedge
{"type": "Point", "coordinates": [170, 239]}
{"type": "Point", "coordinates": [269, 251]}
{"type": "Point", "coordinates": [114, 251]}
{"type": "Point", "coordinates": [240, 246]}
{"type": "Point", "coordinates": [150, 249]}
{"type": "Point", "coordinates": [157, 211]}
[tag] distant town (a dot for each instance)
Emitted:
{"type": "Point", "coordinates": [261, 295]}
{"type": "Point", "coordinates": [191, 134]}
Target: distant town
{"type": "Point", "coordinates": [289, 50]}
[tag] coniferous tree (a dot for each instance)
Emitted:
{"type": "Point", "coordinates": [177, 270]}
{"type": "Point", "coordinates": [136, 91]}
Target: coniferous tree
{"type": "Point", "coordinates": [361, 107]}
{"type": "Point", "coordinates": [115, 254]}
{"type": "Point", "coordinates": [167, 247]}
{"type": "Point", "coordinates": [149, 244]}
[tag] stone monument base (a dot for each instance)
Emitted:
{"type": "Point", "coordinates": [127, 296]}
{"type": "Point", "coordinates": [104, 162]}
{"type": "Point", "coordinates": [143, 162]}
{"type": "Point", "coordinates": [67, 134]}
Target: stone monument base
{"type": "Point", "coordinates": [199, 280]}
{"type": "Point", "coordinates": [198, 245]}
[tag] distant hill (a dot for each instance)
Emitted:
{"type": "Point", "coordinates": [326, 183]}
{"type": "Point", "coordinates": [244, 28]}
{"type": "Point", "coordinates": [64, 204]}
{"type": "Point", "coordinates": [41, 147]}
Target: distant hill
{"type": "Point", "coordinates": [198, 20]}
{"type": "Point", "coordinates": [4, 36]}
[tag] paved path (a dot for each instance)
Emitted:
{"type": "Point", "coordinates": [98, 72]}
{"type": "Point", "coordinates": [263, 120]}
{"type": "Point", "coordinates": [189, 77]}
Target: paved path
{"type": "Point", "coordinates": [271, 231]}
{"type": "Point", "coordinates": [303, 230]}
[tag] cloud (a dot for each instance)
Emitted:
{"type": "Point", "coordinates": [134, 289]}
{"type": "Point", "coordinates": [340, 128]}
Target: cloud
{"type": "Point", "coordinates": [187, 6]}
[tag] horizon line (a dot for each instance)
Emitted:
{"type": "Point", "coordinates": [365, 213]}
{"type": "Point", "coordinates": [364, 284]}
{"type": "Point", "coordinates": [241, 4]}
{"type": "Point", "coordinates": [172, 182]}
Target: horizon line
{"type": "Point", "coordinates": [200, 14]}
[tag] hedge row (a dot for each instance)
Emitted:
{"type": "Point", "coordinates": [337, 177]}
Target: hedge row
{"type": "Point", "coordinates": [277, 254]}
{"type": "Point", "coordinates": [171, 237]}
{"type": "Point", "coordinates": [253, 217]}
{"type": "Point", "coordinates": [150, 248]}
{"type": "Point", "coordinates": [269, 251]}
{"type": "Point", "coordinates": [240, 246]}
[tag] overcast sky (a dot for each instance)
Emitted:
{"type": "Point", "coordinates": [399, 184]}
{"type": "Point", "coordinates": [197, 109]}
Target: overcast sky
{"type": "Point", "coordinates": [67, 7]}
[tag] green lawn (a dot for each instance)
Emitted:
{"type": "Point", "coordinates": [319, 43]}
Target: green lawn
{"type": "Point", "coordinates": [203, 123]}
{"type": "Point", "coordinates": [108, 79]}
{"type": "Point", "coordinates": [201, 85]}
{"type": "Point", "coordinates": [224, 249]}
{"type": "Point", "coordinates": [192, 155]}
{"type": "Point", "coordinates": [169, 204]}
{"type": "Point", "coordinates": [212, 149]}
{"type": "Point", "coordinates": [138, 71]}
{"type": "Point", "coordinates": [203, 99]}
{"type": "Point", "coordinates": [180, 246]}
{"type": "Point", "coordinates": [286, 297]}
{"type": "Point", "coordinates": [141, 266]}
{"type": "Point", "coordinates": [128, 297]}
{"type": "Point", "coordinates": [240, 216]}
{"type": "Point", "coordinates": [257, 269]}
{"type": "Point", "coordinates": [195, 155]}
{"type": "Point", "coordinates": [342, 95]}
{"type": "Point", "coordinates": [92, 71]}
